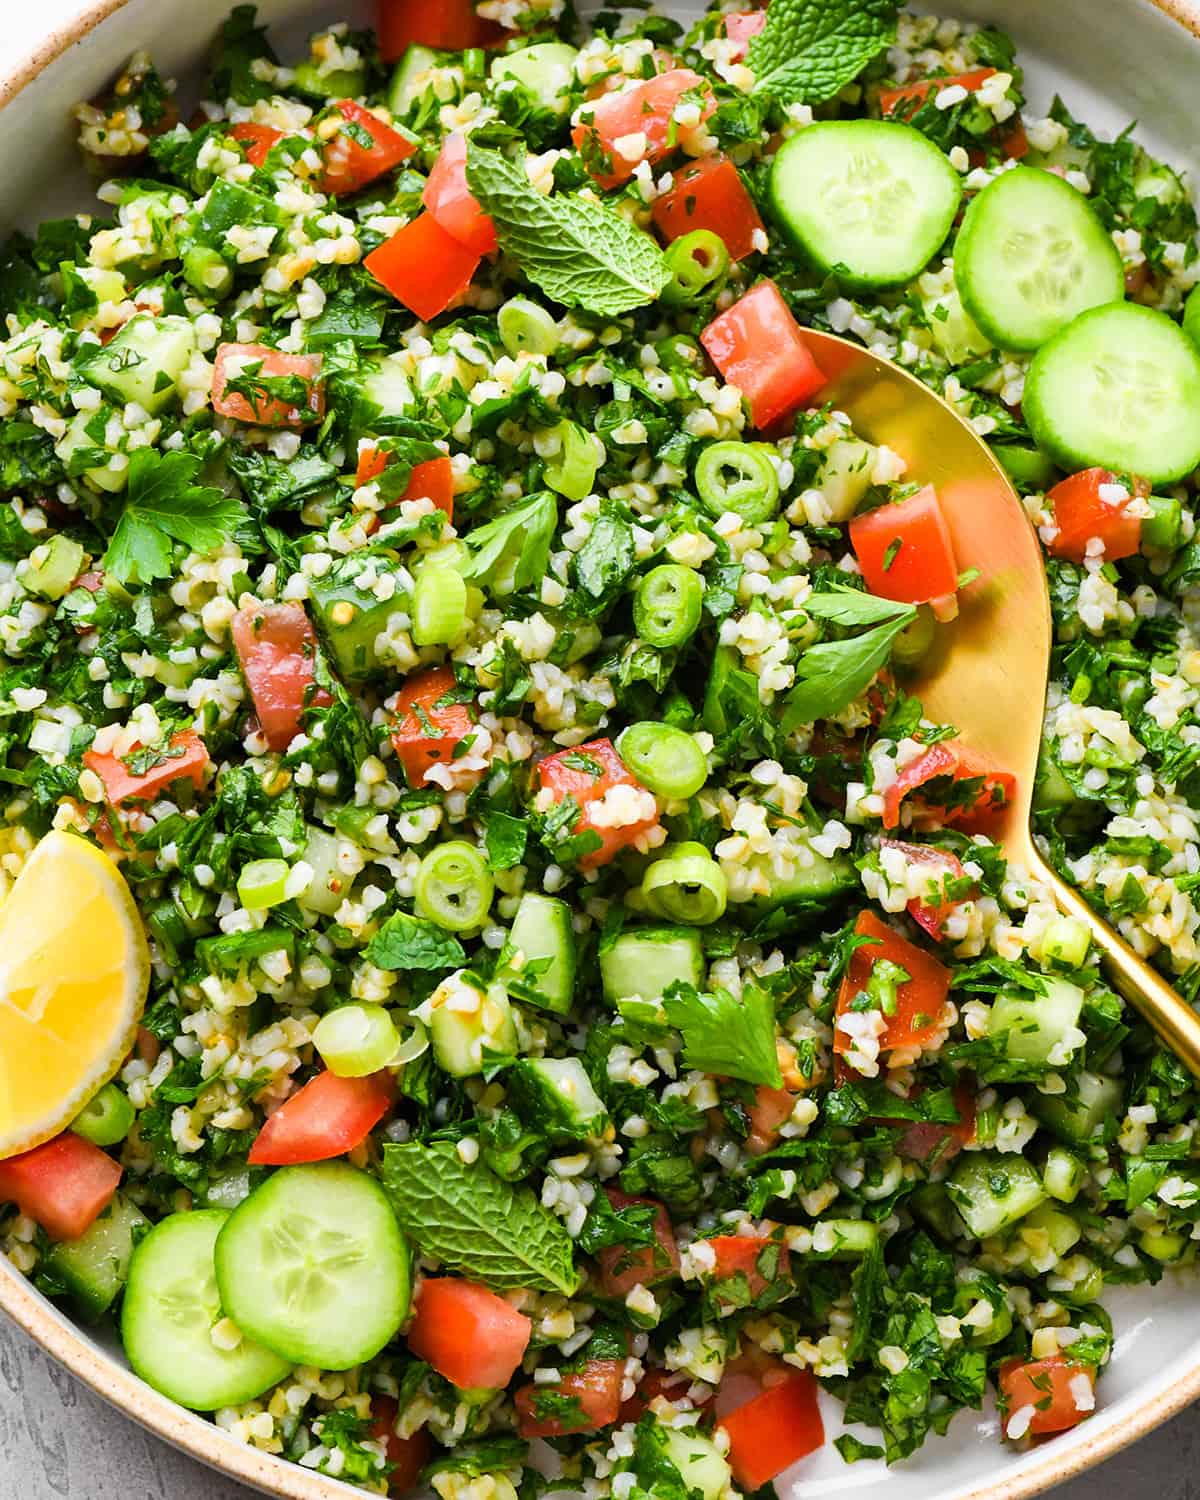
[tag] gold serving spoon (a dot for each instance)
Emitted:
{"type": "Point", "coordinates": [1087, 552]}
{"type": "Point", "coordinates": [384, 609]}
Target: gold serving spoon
{"type": "Point", "coordinates": [989, 673]}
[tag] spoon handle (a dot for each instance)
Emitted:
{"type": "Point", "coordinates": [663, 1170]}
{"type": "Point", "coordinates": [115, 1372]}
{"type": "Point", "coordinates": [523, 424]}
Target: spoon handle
{"type": "Point", "coordinates": [1169, 1014]}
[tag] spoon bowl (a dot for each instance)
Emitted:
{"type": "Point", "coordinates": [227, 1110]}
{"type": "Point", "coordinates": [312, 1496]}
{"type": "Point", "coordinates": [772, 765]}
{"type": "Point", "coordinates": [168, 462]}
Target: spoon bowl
{"type": "Point", "coordinates": [989, 670]}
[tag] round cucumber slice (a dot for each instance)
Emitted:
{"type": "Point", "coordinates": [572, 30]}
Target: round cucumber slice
{"type": "Point", "coordinates": [171, 1305]}
{"type": "Point", "coordinates": [1119, 388]}
{"type": "Point", "coordinates": [871, 199]}
{"type": "Point", "coordinates": [314, 1266]}
{"type": "Point", "coordinates": [1030, 256]}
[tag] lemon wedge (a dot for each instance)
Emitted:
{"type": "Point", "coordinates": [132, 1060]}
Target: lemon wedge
{"type": "Point", "coordinates": [74, 971]}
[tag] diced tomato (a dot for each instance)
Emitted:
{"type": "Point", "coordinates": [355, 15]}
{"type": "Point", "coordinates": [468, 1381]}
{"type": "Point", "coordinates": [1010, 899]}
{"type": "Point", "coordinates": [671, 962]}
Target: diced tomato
{"type": "Point", "coordinates": [423, 267]}
{"type": "Point", "coordinates": [266, 410]}
{"type": "Point", "coordinates": [596, 1389]}
{"type": "Point", "coordinates": [761, 1262]}
{"type": "Point", "coordinates": [920, 89]}
{"type": "Point", "coordinates": [185, 755]}
{"type": "Point", "coordinates": [276, 646]}
{"type": "Point", "coordinates": [954, 759]}
{"type": "Point", "coordinates": [905, 550]}
{"type": "Point", "coordinates": [644, 110]}
{"type": "Point", "coordinates": [347, 164]}
{"type": "Point", "coordinates": [709, 194]}
{"type": "Point", "coordinates": [92, 580]}
{"type": "Point", "coordinates": [408, 1456]}
{"type": "Point", "coordinates": [451, 201]}
{"type": "Point", "coordinates": [431, 480]}
{"type": "Point", "coordinates": [622, 1268]}
{"type": "Point", "coordinates": [920, 999]}
{"type": "Point", "coordinates": [257, 140]}
{"type": "Point", "coordinates": [659, 1382]}
{"type": "Point", "coordinates": [1081, 513]}
{"type": "Point", "coordinates": [741, 28]}
{"type": "Point", "coordinates": [586, 773]}
{"type": "Point", "coordinates": [326, 1118]}
{"type": "Point", "coordinates": [770, 1109]}
{"type": "Point", "coordinates": [472, 1337]}
{"type": "Point", "coordinates": [924, 1139]}
{"type": "Point", "coordinates": [1046, 1386]}
{"type": "Point", "coordinates": [371, 463]}
{"type": "Point", "coordinates": [757, 346]}
{"type": "Point", "coordinates": [930, 914]}
{"type": "Point", "coordinates": [427, 731]}
{"type": "Point", "coordinates": [64, 1185]}
{"type": "Point", "coordinates": [775, 1429]}
{"type": "Point", "coordinates": [444, 25]}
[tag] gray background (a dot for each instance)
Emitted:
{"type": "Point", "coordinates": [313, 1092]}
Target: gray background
{"type": "Point", "coordinates": [59, 1442]}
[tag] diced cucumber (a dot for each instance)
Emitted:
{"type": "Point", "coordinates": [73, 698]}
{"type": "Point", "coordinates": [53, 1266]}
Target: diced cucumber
{"type": "Point", "coordinates": [845, 476]}
{"type": "Point", "coordinates": [328, 887]}
{"type": "Point", "coordinates": [205, 269]}
{"type": "Point", "coordinates": [402, 90]}
{"type": "Point", "coordinates": [1026, 466]}
{"type": "Point", "coordinates": [52, 568]}
{"type": "Point", "coordinates": [955, 333]}
{"type": "Point", "coordinates": [143, 363]}
{"type": "Point", "coordinates": [83, 444]}
{"type": "Point", "coordinates": [1030, 256]}
{"type": "Point", "coordinates": [1062, 1175]}
{"type": "Point", "coordinates": [95, 1267]}
{"type": "Point", "coordinates": [1066, 941]}
{"type": "Point", "coordinates": [872, 200]}
{"type": "Point", "coordinates": [336, 83]}
{"type": "Point", "coordinates": [171, 1306]}
{"type": "Point", "coordinates": [556, 1095]}
{"type": "Point", "coordinates": [313, 1265]}
{"type": "Point", "coordinates": [993, 1191]}
{"type": "Point", "coordinates": [350, 619]}
{"type": "Point", "coordinates": [1090, 1114]}
{"type": "Point", "coordinates": [1059, 1228]}
{"type": "Point", "coordinates": [546, 69]}
{"type": "Point", "coordinates": [809, 886]}
{"type": "Point", "coordinates": [976, 1287]}
{"type": "Point", "coordinates": [931, 1204]}
{"type": "Point", "coordinates": [105, 286]}
{"type": "Point", "coordinates": [228, 1189]}
{"type": "Point", "coordinates": [384, 396]}
{"type": "Point", "coordinates": [646, 961]}
{"type": "Point", "coordinates": [542, 933]}
{"type": "Point", "coordinates": [1163, 1245]}
{"type": "Point", "coordinates": [468, 1021]}
{"type": "Point", "coordinates": [1039, 1028]}
{"type": "Point", "coordinates": [700, 1463]}
{"type": "Point", "coordinates": [844, 1239]}
{"type": "Point", "coordinates": [1118, 388]}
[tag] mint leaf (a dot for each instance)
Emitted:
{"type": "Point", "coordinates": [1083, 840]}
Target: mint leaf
{"type": "Point", "coordinates": [405, 942]}
{"type": "Point", "coordinates": [832, 674]}
{"type": "Point", "coordinates": [163, 504]}
{"type": "Point", "coordinates": [578, 251]}
{"type": "Point", "coordinates": [474, 1223]}
{"type": "Point", "coordinates": [721, 1034]}
{"type": "Point", "coordinates": [809, 49]}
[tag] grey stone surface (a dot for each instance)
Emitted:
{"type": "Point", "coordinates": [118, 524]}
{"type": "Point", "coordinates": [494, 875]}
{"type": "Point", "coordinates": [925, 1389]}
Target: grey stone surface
{"type": "Point", "coordinates": [59, 1442]}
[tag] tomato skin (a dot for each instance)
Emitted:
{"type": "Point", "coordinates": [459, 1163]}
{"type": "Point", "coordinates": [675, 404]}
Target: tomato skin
{"type": "Point", "coordinates": [659, 1382]}
{"type": "Point", "coordinates": [267, 411]}
{"type": "Point", "coordinates": [922, 566]}
{"type": "Point", "coordinates": [770, 1109]}
{"type": "Point", "coordinates": [276, 646]}
{"type": "Point", "coordinates": [444, 25]}
{"type": "Point", "coordinates": [409, 1455]}
{"type": "Point", "coordinates": [120, 783]}
{"type": "Point", "coordinates": [1044, 1384]}
{"type": "Point", "coordinates": [644, 109]}
{"type": "Point", "coordinates": [417, 710]}
{"type": "Point", "coordinates": [774, 1429]}
{"type": "Point", "coordinates": [423, 267]}
{"type": "Point", "coordinates": [468, 1334]}
{"type": "Point", "coordinates": [742, 1253]}
{"type": "Point", "coordinates": [567, 780]}
{"type": "Point", "coordinates": [1080, 514]}
{"type": "Point", "coordinates": [622, 1268]}
{"type": "Point", "coordinates": [597, 1388]}
{"type": "Point", "coordinates": [952, 758]}
{"type": "Point", "coordinates": [709, 194]}
{"type": "Point", "coordinates": [256, 139]}
{"type": "Point", "coordinates": [451, 201]}
{"type": "Point", "coordinates": [64, 1184]}
{"type": "Point", "coordinates": [431, 480]}
{"type": "Point", "coordinates": [921, 88]}
{"type": "Point", "coordinates": [742, 27]}
{"type": "Point", "coordinates": [919, 1000]}
{"type": "Point", "coordinates": [924, 1138]}
{"type": "Point", "coordinates": [943, 866]}
{"type": "Point", "coordinates": [328, 1117]}
{"type": "Point", "coordinates": [348, 166]}
{"type": "Point", "coordinates": [757, 346]}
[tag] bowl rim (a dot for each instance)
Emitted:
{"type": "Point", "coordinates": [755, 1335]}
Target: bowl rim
{"type": "Point", "coordinates": [208, 1444]}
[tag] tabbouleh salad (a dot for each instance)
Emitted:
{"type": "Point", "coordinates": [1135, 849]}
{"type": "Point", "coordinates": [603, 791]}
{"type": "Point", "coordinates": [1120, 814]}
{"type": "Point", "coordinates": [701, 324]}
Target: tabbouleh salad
{"type": "Point", "coordinates": [586, 1007]}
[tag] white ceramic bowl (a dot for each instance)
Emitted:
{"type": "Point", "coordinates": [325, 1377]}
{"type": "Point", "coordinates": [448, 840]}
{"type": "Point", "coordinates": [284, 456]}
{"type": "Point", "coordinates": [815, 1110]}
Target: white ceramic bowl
{"type": "Point", "coordinates": [1113, 61]}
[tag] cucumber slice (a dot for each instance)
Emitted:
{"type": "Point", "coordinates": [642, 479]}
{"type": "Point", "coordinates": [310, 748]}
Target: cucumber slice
{"type": "Point", "coordinates": [1090, 1114]}
{"type": "Point", "coordinates": [1039, 1028]}
{"type": "Point", "coordinates": [1119, 388]}
{"type": "Point", "coordinates": [1191, 316]}
{"type": "Point", "coordinates": [314, 1266]}
{"type": "Point", "coordinates": [993, 1191]}
{"type": "Point", "coordinates": [646, 961]}
{"type": "Point", "coordinates": [542, 931]}
{"type": "Point", "coordinates": [350, 620]}
{"type": "Point", "coordinates": [1030, 256]}
{"type": "Point", "coordinates": [871, 199]}
{"type": "Point", "coordinates": [556, 1095]}
{"type": "Point", "coordinates": [143, 363]}
{"type": "Point", "coordinates": [401, 89]}
{"type": "Point", "coordinates": [171, 1305]}
{"type": "Point", "coordinates": [95, 1267]}
{"type": "Point", "coordinates": [546, 69]}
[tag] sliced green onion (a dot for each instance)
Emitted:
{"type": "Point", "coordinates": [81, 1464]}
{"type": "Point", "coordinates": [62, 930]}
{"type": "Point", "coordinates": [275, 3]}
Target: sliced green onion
{"type": "Point", "coordinates": [263, 883]}
{"type": "Point", "coordinates": [1066, 941]}
{"type": "Point", "coordinates": [1062, 1176]}
{"type": "Point", "coordinates": [355, 1040]}
{"type": "Point", "coordinates": [1163, 527]}
{"type": "Point", "coordinates": [667, 605]}
{"type": "Point", "coordinates": [666, 760]}
{"type": "Point", "coordinates": [105, 1119]}
{"type": "Point", "coordinates": [912, 645]}
{"type": "Point", "coordinates": [526, 328]}
{"type": "Point", "coordinates": [737, 477]}
{"type": "Point", "coordinates": [414, 1045]}
{"type": "Point", "coordinates": [572, 470]}
{"type": "Point", "coordinates": [454, 887]}
{"type": "Point", "coordinates": [686, 885]}
{"type": "Point", "coordinates": [698, 263]}
{"type": "Point", "coordinates": [207, 271]}
{"type": "Point", "coordinates": [1163, 1245]}
{"type": "Point", "coordinates": [439, 606]}
{"type": "Point", "coordinates": [966, 1296]}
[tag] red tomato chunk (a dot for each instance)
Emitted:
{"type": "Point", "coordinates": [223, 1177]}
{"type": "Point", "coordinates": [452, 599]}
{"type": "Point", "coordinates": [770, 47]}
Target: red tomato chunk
{"type": "Point", "coordinates": [931, 913]}
{"type": "Point", "coordinates": [775, 1429]}
{"type": "Point", "coordinates": [469, 1335]}
{"type": "Point", "coordinates": [586, 774]}
{"type": "Point", "coordinates": [444, 25]}
{"type": "Point", "coordinates": [451, 201]}
{"type": "Point", "coordinates": [920, 1000]}
{"type": "Point", "coordinates": [622, 1268]}
{"type": "Point", "coordinates": [919, 90]}
{"type": "Point", "coordinates": [64, 1185]}
{"type": "Point", "coordinates": [976, 811]}
{"type": "Point", "coordinates": [761, 1262]}
{"type": "Point", "coordinates": [276, 646]}
{"type": "Point", "coordinates": [185, 755]}
{"type": "Point", "coordinates": [431, 480]}
{"type": "Point", "coordinates": [924, 1139]}
{"type": "Point", "coordinates": [256, 362]}
{"type": "Point", "coordinates": [423, 267]}
{"type": "Point", "coordinates": [770, 1109]}
{"type": "Point", "coordinates": [407, 1455]}
{"type": "Point", "coordinates": [1051, 1394]}
{"type": "Point", "coordinates": [427, 731]}
{"type": "Point", "coordinates": [757, 346]}
{"type": "Point", "coordinates": [348, 162]}
{"type": "Point", "coordinates": [904, 549]}
{"type": "Point", "coordinates": [710, 195]}
{"type": "Point", "coordinates": [326, 1118]}
{"type": "Point", "coordinates": [640, 117]}
{"type": "Point", "coordinates": [742, 27]}
{"type": "Point", "coordinates": [595, 1394]}
{"type": "Point", "coordinates": [257, 140]}
{"type": "Point", "coordinates": [1084, 511]}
